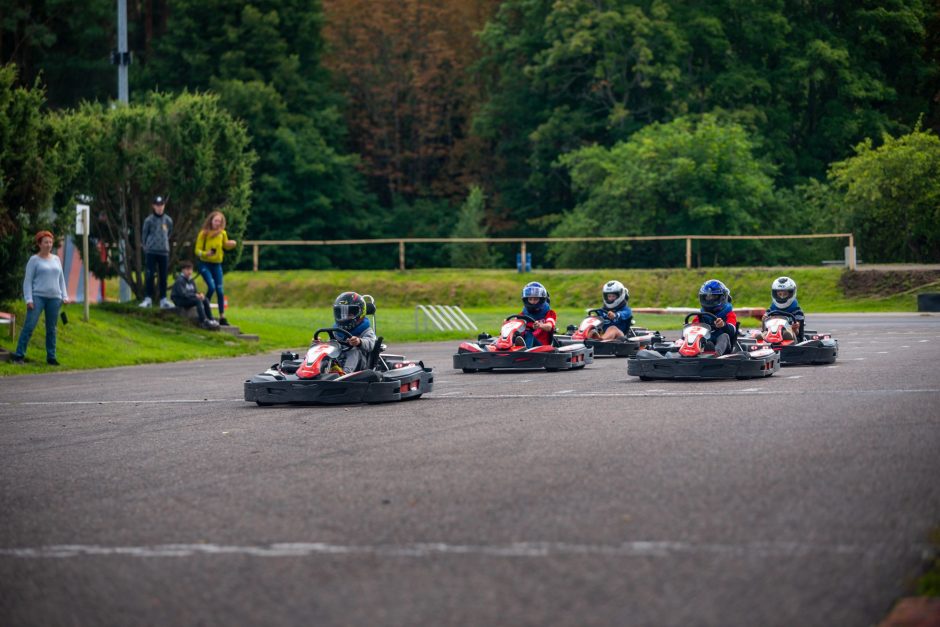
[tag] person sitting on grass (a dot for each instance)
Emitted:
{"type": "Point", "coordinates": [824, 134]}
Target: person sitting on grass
{"type": "Point", "coordinates": [537, 305]}
{"type": "Point", "coordinates": [184, 295]}
{"type": "Point", "coordinates": [618, 314]}
{"type": "Point", "coordinates": [354, 328]}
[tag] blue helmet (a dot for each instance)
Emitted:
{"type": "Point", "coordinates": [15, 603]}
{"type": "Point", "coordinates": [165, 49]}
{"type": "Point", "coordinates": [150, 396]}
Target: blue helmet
{"type": "Point", "coordinates": [534, 290]}
{"type": "Point", "coordinates": [713, 295]}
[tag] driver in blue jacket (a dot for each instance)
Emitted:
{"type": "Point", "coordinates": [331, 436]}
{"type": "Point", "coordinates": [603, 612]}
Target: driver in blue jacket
{"type": "Point", "coordinates": [353, 327]}
{"type": "Point", "coordinates": [715, 299]}
{"type": "Point", "coordinates": [618, 314]}
{"type": "Point", "coordinates": [783, 294]}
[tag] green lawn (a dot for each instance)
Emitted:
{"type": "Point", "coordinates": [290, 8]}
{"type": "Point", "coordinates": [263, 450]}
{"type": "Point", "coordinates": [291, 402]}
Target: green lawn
{"type": "Point", "coordinates": [285, 308]}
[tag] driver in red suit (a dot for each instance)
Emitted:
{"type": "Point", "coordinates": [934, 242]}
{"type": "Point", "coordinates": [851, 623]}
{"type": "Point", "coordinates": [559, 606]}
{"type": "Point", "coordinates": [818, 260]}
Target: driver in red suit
{"type": "Point", "coordinates": [536, 305]}
{"type": "Point", "coordinates": [715, 299]}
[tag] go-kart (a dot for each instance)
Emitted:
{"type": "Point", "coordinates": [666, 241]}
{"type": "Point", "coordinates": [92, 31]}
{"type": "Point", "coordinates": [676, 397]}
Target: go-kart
{"type": "Point", "coordinates": [316, 379]}
{"type": "Point", "coordinates": [636, 338]}
{"type": "Point", "coordinates": [777, 333]}
{"type": "Point", "coordinates": [509, 351]}
{"type": "Point", "coordinates": [693, 357]}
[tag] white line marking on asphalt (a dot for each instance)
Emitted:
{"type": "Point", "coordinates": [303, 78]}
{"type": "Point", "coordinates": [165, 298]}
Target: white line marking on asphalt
{"type": "Point", "coordinates": [679, 394]}
{"type": "Point", "coordinates": [882, 353]}
{"type": "Point", "coordinates": [905, 346]}
{"type": "Point", "coordinates": [922, 341]}
{"type": "Point", "coordinates": [749, 390]}
{"type": "Point", "coordinates": [795, 376]}
{"type": "Point", "coordinates": [431, 549]}
{"type": "Point", "coordinates": [860, 359]}
{"type": "Point", "coordinates": [564, 391]}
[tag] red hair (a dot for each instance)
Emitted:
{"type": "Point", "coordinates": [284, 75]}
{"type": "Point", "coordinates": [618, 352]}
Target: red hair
{"type": "Point", "coordinates": [41, 234]}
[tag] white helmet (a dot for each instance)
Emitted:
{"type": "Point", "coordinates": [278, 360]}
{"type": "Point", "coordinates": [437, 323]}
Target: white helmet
{"type": "Point", "coordinates": [783, 291]}
{"type": "Point", "coordinates": [614, 294]}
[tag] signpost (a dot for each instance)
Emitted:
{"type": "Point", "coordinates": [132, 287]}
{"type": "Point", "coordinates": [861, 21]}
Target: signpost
{"type": "Point", "coordinates": [81, 228]}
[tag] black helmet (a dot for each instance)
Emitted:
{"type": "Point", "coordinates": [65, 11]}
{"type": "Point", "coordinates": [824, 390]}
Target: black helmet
{"type": "Point", "coordinates": [349, 309]}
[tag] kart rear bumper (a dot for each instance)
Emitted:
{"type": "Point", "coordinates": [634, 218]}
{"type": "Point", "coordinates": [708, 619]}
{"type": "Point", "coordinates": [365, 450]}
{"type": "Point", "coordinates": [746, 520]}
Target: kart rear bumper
{"type": "Point", "coordinates": [395, 385]}
{"type": "Point", "coordinates": [653, 365]}
{"type": "Point", "coordinates": [566, 358]}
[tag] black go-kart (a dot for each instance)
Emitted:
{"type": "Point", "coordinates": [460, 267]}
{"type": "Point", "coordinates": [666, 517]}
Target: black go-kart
{"type": "Point", "coordinates": [508, 351]}
{"type": "Point", "coordinates": [777, 332]}
{"type": "Point", "coordinates": [693, 357]}
{"type": "Point", "coordinates": [314, 380]}
{"type": "Point", "coordinates": [637, 338]}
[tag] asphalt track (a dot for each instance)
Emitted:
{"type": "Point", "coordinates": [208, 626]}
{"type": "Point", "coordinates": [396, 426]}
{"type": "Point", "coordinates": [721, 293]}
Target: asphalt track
{"type": "Point", "coordinates": [154, 495]}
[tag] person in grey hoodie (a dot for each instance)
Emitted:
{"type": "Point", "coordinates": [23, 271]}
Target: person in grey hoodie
{"type": "Point", "coordinates": [44, 290]}
{"type": "Point", "coordinates": [155, 240]}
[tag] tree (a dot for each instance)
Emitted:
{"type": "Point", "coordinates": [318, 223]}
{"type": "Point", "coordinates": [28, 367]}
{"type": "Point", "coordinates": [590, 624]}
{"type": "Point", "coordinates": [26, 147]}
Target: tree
{"type": "Point", "coordinates": [892, 197]}
{"type": "Point", "coordinates": [694, 175]}
{"type": "Point", "coordinates": [470, 223]}
{"type": "Point", "coordinates": [262, 57]}
{"type": "Point", "coordinates": [184, 146]}
{"type": "Point", "coordinates": [32, 162]}
{"type": "Point", "coordinates": [402, 65]}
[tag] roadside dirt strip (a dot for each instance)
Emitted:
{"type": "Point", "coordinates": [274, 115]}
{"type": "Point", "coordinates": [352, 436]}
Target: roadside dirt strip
{"type": "Point", "coordinates": [156, 495]}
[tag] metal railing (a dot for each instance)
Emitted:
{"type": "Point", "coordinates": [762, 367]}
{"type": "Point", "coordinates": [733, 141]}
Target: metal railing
{"type": "Point", "coordinates": [402, 241]}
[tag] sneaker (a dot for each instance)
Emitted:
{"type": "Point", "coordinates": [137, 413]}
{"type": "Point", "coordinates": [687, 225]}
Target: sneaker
{"type": "Point", "coordinates": [52, 361]}
{"type": "Point", "coordinates": [165, 303]}
{"type": "Point", "coordinates": [223, 321]}
{"type": "Point", "coordinates": [518, 341]}
{"type": "Point", "coordinates": [18, 359]}
{"type": "Point", "coordinates": [145, 302]}
{"type": "Point", "coordinates": [209, 325]}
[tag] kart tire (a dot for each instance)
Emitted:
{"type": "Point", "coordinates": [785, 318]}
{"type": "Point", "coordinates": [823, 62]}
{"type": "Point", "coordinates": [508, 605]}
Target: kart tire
{"type": "Point", "coordinates": [642, 378]}
{"type": "Point", "coordinates": [469, 370]}
{"type": "Point", "coordinates": [262, 404]}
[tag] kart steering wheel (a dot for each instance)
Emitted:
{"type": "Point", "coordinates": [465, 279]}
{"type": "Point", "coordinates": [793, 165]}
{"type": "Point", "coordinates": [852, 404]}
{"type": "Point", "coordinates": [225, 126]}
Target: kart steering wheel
{"type": "Point", "coordinates": [701, 320]}
{"type": "Point", "coordinates": [332, 333]}
{"type": "Point", "coordinates": [600, 313]}
{"type": "Point", "coordinates": [529, 320]}
{"type": "Point", "coordinates": [785, 314]}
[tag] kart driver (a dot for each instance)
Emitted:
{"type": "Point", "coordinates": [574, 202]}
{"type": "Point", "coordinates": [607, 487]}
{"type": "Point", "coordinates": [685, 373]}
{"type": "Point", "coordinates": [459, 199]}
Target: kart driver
{"type": "Point", "coordinates": [536, 305]}
{"type": "Point", "coordinates": [783, 294]}
{"type": "Point", "coordinates": [618, 313]}
{"type": "Point", "coordinates": [715, 299]}
{"type": "Point", "coordinates": [353, 327]}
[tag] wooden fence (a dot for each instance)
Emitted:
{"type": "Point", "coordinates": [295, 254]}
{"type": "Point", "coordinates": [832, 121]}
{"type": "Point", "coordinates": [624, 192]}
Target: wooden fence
{"type": "Point", "coordinates": [402, 241]}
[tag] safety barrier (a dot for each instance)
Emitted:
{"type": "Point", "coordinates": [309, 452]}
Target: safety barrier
{"type": "Point", "coordinates": [444, 317]}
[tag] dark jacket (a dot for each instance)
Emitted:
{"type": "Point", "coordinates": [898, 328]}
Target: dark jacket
{"type": "Point", "coordinates": [155, 234]}
{"type": "Point", "coordinates": [184, 291]}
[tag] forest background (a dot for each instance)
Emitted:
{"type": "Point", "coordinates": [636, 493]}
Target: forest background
{"type": "Point", "coordinates": [339, 119]}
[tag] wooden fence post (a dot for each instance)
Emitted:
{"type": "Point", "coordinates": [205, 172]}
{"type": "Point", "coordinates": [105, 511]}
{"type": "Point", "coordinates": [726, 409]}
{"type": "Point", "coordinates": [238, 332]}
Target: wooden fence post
{"type": "Point", "coordinates": [254, 257]}
{"type": "Point", "coordinates": [401, 255]}
{"type": "Point", "coordinates": [688, 253]}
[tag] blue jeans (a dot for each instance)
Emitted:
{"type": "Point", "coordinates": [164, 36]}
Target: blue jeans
{"type": "Point", "coordinates": [40, 304]}
{"type": "Point", "coordinates": [212, 273]}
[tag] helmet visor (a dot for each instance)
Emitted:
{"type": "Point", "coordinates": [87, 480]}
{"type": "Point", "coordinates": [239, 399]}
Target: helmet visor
{"type": "Point", "coordinates": [610, 296]}
{"type": "Point", "coordinates": [534, 291]}
{"type": "Point", "coordinates": [710, 300]}
{"type": "Point", "coordinates": [346, 312]}
{"type": "Point", "coordinates": [782, 296]}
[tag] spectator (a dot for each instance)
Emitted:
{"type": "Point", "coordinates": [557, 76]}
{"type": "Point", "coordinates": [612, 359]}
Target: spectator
{"type": "Point", "coordinates": [44, 290]}
{"type": "Point", "coordinates": [211, 244]}
{"type": "Point", "coordinates": [184, 296]}
{"type": "Point", "coordinates": [155, 240]}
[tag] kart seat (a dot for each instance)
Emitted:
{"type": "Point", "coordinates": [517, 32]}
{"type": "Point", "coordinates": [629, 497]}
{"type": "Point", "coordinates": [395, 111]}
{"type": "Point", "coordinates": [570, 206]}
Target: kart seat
{"type": "Point", "coordinates": [374, 355]}
{"type": "Point", "coordinates": [363, 376]}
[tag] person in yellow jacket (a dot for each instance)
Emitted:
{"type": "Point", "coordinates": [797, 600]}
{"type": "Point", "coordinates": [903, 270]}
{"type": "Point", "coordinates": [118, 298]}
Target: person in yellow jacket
{"type": "Point", "coordinates": [211, 244]}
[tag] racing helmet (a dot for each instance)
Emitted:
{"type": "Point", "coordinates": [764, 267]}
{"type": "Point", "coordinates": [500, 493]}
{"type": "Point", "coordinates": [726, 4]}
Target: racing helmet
{"type": "Point", "coordinates": [349, 309]}
{"type": "Point", "coordinates": [615, 294]}
{"type": "Point", "coordinates": [783, 291]}
{"type": "Point", "coordinates": [713, 295]}
{"type": "Point", "coordinates": [537, 290]}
